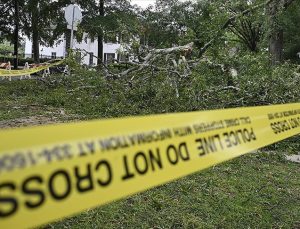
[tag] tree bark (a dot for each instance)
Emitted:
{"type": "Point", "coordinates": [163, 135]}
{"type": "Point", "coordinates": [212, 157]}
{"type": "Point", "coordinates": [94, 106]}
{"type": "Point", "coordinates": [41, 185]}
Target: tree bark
{"type": "Point", "coordinates": [276, 38]}
{"type": "Point", "coordinates": [35, 33]}
{"type": "Point", "coordinates": [100, 35]}
{"type": "Point", "coordinates": [16, 35]}
{"type": "Point", "coordinates": [276, 46]}
{"type": "Point", "coordinates": [276, 34]}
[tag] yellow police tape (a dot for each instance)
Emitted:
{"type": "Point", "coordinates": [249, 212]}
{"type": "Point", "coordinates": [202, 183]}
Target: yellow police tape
{"type": "Point", "coordinates": [12, 73]}
{"type": "Point", "coordinates": [51, 172]}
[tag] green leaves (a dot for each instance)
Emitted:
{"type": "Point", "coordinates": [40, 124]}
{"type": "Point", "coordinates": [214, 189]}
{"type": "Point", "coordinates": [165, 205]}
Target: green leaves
{"type": "Point", "coordinates": [119, 17]}
{"type": "Point", "coordinates": [290, 24]}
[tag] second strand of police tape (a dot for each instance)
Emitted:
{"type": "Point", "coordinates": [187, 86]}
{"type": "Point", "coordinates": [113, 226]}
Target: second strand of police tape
{"type": "Point", "coordinates": [12, 73]}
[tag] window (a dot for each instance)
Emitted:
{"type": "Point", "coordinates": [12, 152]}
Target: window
{"type": "Point", "coordinates": [53, 55]}
{"type": "Point", "coordinates": [91, 61]}
{"type": "Point", "coordinates": [109, 58]}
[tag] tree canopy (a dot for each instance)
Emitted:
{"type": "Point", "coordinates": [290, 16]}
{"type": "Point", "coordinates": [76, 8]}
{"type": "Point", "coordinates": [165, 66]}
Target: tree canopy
{"type": "Point", "coordinates": [253, 26]}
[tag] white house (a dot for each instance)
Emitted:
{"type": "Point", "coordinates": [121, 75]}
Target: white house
{"type": "Point", "coordinates": [110, 50]}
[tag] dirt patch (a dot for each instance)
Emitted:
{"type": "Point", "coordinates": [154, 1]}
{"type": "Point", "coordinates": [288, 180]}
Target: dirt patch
{"type": "Point", "coordinates": [50, 117]}
{"type": "Point", "coordinates": [28, 121]}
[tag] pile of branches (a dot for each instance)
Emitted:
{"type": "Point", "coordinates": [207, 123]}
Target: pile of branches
{"type": "Point", "coordinates": [175, 60]}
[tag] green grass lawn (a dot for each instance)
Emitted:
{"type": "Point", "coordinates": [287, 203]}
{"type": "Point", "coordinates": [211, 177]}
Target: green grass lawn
{"type": "Point", "coordinates": [259, 190]}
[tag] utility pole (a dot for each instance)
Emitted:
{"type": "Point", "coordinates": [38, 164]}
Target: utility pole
{"type": "Point", "coordinates": [73, 16]}
{"type": "Point", "coordinates": [72, 29]}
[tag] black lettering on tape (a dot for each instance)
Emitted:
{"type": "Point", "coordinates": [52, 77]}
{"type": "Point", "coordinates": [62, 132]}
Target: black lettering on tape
{"type": "Point", "coordinates": [31, 158]}
{"type": "Point", "coordinates": [19, 160]}
{"type": "Point", "coordinates": [280, 126]}
{"type": "Point", "coordinates": [58, 153]}
{"type": "Point", "coordinates": [200, 147]}
{"type": "Point", "coordinates": [66, 190]}
{"type": "Point", "coordinates": [8, 200]}
{"type": "Point", "coordinates": [86, 148]}
{"type": "Point", "coordinates": [155, 159]}
{"type": "Point", "coordinates": [246, 135]}
{"type": "Point", "coordinates": [10, 162]}
{"type": "Point", "coordinates": [140, 163]}
{"type": "Point", "coordinates": [26, 189]}
{"type": "Point", "coordinates": [232, 122]}
{"type": "Point", "coordinates": [183, 131]}
{"type": "Point", "coordinates": [128, 174]}
{"type": "Point", "coordinates": [66, 150]}
{"type": "Point", "coordinates": [91, 147]}
{"type": "Point", "coordinates": [172, 154]}
{"type": "Point", "coordinates": [106, 166]}
{"type": "Point", "coordinates": [82, 153]}
{"type": "Point", "coordinates": [227, 140]}
{"type": "Point", "coordinates": [295, 122]}
{"type": "Point", "coordinates": [47, 154]}
{"type": "Point", "coordinates": [7, 162]}
{"type": "Point", "coordinates": [207, 145]}
{"type": "Point", "coordinates": [273, 126]}
{"type": "Point", "coordinates": [217, 136]}
{"type": "Point", "coordinates": [235, 140]}
{"type": "Point", "coordinates": [175, 154]}
{"type": "Point", "coordinates": [245, 120]}
{"type": "Point", "coordinates": [84, 182]}
{"type": "Point", "coordinates": [184, 152]}
{"type": "Point", "coordinates": [58, 184]}
{"type": "Point", "coordinates": [238, 137]}
{"type": "Point", "coordinates": [252, 135]}
{"type": "Point", "coordinates": [2, 165]}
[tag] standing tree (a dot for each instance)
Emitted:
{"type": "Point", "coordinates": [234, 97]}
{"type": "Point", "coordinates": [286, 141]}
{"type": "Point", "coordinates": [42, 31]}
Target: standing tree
{"type": "Point", "coordinates": [290, 21]}
{"type": "Point", "coordinates": [100, 35]}
{"type": "Point", "coordinates": [276, 39]}
{"type": "Point", "coordinates": [10, 24]}
{"type": "Point", "coordinates": [33, 7]}
{"type": "Point", "coordinates": [106, 17]}
{"type": "Point", "coordinates": [43, 23]}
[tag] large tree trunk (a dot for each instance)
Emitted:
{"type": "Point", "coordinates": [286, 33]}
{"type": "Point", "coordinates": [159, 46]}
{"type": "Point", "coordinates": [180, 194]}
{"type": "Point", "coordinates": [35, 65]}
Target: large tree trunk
{"type": "Point", "coordinates": [276, 32]}
{"type": "Point", "coordinates": [100, 35]}
{"type": "Point", "coordinates": [35, 33]}
{"type": "Point", "coordinates": [276, 38]}
{"type": "Point", "coordinates": [16, 34]}
{"type": "Point", "coordinates": [276, 46]}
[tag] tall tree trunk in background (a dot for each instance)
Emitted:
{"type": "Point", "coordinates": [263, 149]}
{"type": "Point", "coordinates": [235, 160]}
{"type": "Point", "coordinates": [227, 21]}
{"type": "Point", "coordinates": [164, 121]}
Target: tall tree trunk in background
{"type": "Point", "coordinates": [16, 34]}
{"type": "Point", "coordinates": [276, 39]}
{"type": "Point", "coordinates": [35, 32]}
{"type": "Point", "coordinates": [276, 46]}
{"type": "Point", "coordinates": [276, 32]}
{"type": "Point", "coordinates": [100, 36]}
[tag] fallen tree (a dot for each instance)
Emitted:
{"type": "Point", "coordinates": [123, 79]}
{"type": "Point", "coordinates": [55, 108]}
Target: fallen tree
{"type": "Point", "coordinates": [174, 60]}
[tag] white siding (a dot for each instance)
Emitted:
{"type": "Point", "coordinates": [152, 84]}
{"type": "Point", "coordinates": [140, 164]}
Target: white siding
{"type": "Point", "coordinates": [59, 48]}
